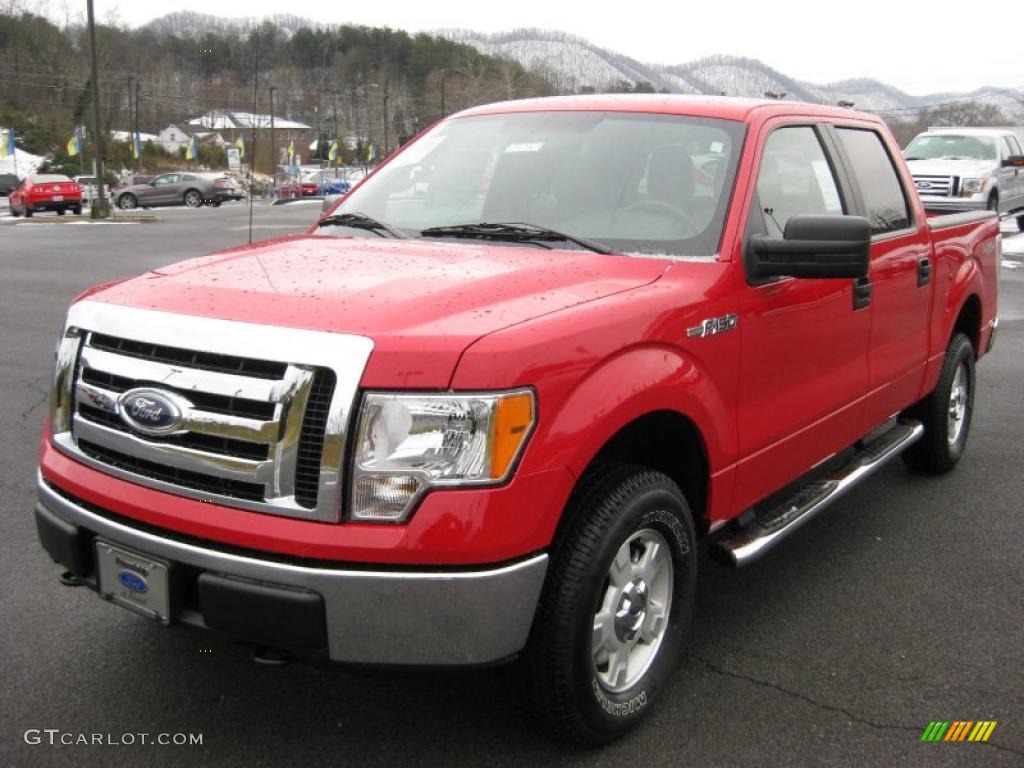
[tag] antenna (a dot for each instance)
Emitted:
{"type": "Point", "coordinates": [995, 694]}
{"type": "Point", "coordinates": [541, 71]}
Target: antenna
{"type": "Point", "coordinates": [252, 122]}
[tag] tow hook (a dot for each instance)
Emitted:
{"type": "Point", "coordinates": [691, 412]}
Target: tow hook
{"type": "Point", "coordinates": [269, 656]}
{"type": "Point", "coordinates": [68, 579]}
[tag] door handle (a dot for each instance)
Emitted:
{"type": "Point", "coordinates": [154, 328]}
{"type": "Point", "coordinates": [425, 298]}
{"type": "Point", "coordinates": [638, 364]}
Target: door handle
{"type": "Point", "coordinates": [924, 271]}
{"type": "Point", "coordinates": [861, 293]}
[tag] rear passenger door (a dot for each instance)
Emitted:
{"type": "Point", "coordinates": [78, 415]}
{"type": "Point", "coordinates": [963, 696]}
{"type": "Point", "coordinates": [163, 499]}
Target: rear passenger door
{"type": "Point", "coordinates": [901, 279]}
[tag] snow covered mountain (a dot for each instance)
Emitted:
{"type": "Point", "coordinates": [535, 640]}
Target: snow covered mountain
{"type": "Point", "coordinates": [575, 64]}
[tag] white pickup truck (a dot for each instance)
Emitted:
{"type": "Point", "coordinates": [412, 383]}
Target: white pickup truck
{"type": "Point", "coordinates": [969, 169]}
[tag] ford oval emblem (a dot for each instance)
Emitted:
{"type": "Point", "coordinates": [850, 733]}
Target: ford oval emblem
{"type": "Point", "coordinates": [151, 411]}
{"type": "Point", "coordinates": [133, 581]}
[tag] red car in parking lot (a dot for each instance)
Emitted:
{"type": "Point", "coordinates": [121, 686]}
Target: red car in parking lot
{"type": "Point", "coordinates": [46, 192]}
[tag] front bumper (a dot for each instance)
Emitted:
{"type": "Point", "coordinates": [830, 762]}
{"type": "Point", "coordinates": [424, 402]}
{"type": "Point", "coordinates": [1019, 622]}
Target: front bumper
{"type": "Point", "coordinates": [954, 204]}
{"type": "Point", "coordinates": [399, 617]}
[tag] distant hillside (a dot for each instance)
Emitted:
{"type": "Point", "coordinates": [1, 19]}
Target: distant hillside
{"type": "Point", "coordinates": [576, 64]}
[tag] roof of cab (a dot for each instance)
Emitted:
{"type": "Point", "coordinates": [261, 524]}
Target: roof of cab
{"type": "Point", "coordinates": [723, 107]}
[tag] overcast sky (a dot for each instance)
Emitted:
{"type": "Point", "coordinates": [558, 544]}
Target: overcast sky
{"type": "Point", "coordinates": [919, 47]}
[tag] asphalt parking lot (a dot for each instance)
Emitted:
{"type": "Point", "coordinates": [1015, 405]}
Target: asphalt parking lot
{"type": "Point", "coordinates": [902, 605]}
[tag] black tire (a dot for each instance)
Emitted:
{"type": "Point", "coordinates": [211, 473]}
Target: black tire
{"type": "Point", "coordinates": [127, 202]}
{"type": "Point", "coordinates": [216, 203]}
{"type": "Point", "coordinates": [945, 437]}
{"type": "Point", "coordinates": [193, 199]}
{"type": "Point", "coordinates": [14, 212]}
{"type": "Point", "coordinates": [566, 690]}
{"type": "Point", "coordinates": [61, 211]}
{"type": "Point", "coordinates": [28, 212]}
{"type": "Point", "coordinates": [1020, 223]}
{"type": "Point", "coordinates": [993, 202]}
{"type": "Point", "coordinates": [77, 210]}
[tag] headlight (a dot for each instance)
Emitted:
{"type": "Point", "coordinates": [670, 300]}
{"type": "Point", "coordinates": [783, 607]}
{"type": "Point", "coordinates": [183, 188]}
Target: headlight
{"type": "Point", "coordinates": [972, 187]}
{"type": "Point", "coordinates": [407, 444]}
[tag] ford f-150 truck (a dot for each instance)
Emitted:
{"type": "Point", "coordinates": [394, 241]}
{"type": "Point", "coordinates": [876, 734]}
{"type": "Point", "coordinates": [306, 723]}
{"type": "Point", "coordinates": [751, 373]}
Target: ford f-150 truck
{"type": "Point", "coordinates": [492, 404]}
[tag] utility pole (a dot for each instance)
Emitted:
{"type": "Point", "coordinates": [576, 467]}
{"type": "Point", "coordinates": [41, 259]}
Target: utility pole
{"type": "Point", "coordinates": [131, 129]}
{"type": "Point", "coordinates": [443, 112]}
{"type": "Point", "coordinates": [273, 143]}
{"type": "Point", "coordinates": [99, 211]}
{"type": "Point", "coordinates": [385, 116]}
{"type": "Point", "coordinates": [136, 121]}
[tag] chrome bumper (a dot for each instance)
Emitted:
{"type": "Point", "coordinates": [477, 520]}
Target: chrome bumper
{"type": "Point", "coordinates": [372, 617]}
{"type": "Point", "coordinates": [953, 204]}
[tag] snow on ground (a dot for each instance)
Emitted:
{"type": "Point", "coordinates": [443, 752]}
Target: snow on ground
{"type": "Point", "coordinates": [27, 162]}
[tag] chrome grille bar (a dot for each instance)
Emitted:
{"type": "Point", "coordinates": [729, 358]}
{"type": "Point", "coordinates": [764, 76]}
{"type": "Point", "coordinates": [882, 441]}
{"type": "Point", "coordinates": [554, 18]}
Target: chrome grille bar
{"type": "Point", "coordinates": [217, 440]}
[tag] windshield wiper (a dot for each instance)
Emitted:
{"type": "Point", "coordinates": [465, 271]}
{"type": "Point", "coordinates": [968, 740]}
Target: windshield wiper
{"type": "Point", "coordinates": [512, 231]}
{"type": "Point", "coordinates": [908, 159]}
{"type": "Point", "coordinates": [359, 221]}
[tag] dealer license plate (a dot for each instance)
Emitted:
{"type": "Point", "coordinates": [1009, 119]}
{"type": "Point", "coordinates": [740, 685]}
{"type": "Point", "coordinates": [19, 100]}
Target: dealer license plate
{"type": "Point", "coordinates": [136, 581]}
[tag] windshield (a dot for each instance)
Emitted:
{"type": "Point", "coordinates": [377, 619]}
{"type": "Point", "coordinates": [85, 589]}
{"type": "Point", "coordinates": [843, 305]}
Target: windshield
{"type": "Point", "coordinates": [635, 183]}
{"type": "Point", "coordinates": [951, 147]}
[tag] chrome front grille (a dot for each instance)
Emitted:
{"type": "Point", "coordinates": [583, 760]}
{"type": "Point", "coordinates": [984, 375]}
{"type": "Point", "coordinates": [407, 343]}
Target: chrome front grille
{"type": "Point", "coordinates": [263, 409]}
{"type": "Point", "coordinates": [937, 186]}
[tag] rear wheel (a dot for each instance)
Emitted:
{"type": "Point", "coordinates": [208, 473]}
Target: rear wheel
{"type": "Point", "coordinates": [28, 212]}
{"type": "Point", "coordinates": [616, 604]}
{"type": "Point", "coordinates": [127, 202]}
{"type": "Point", "coordinates": [993, 202]}
{"type": "Point", "coordinates": [946, 412]}
{"type": "Point", "coordinates": [193, 199]}
{"type": "Point", "coordinates": [1020, 223]}
{"type": "Point", "coordinates": [77, 210]}
{"type": "Point", "coordinates": [61, 211]}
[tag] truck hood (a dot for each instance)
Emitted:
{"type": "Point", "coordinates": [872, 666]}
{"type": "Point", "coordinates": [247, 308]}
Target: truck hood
{"type": "Point", "coordinates": [421, 302]}
{"type": "Point", "coordinates": [965, 169]}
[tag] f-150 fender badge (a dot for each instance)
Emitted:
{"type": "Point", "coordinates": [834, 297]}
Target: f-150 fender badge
{"type": "Point", "coordinates": [712, 325]}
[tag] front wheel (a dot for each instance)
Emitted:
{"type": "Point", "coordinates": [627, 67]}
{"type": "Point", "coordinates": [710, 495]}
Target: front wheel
{"type": "Point", "coordinates": [28, 212]}
{"type": "Point", "coordinates": [193, 199]}
{"type": "Point", "coordinates": [993, 202]}
{"type": "Point", "coordinates": [615, 607]}
{"type": "Point", "coordinates": [946, 412]}
{"type": "Point", "coordinates": [1020, 223]}
{"type": "Point", "coordinates": [61, 211]}
{"type": "Point", "coordinates": [127, 202]}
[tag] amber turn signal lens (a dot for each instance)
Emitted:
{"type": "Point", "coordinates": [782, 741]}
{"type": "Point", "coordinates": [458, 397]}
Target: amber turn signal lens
{"type": "Point", "coordinates": [513, 419]}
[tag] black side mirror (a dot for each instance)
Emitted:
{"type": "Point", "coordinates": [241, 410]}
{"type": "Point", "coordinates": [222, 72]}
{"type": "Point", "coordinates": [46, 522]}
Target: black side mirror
{"type": "Point", "coordinates": [1014, 161]}
{"type": "Point", "coordinates": [815, 247]}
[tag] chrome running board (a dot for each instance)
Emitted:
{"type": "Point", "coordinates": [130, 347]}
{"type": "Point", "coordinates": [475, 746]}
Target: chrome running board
{"type": "Point", "coordinates": [773, 524]}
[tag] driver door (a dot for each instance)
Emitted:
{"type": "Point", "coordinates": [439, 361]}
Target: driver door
{"type": "Point", "coordinates": [162, 189]}
{"type": "Point", "coordinates": [803, 342]}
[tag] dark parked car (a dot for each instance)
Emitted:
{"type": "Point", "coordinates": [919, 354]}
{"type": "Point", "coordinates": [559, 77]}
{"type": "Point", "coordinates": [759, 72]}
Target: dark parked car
{"type": "Point", "coordinates": [178, 188]}
{"type": "Point", "coordinates": [8, 183]}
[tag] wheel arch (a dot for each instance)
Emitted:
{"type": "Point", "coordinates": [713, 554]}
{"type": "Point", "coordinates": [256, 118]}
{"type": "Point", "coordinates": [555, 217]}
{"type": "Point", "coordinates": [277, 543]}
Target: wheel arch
{"type": "Point", "coordinates": [666, 441]}
{"type": "Point", "coordinates": [968, 321]}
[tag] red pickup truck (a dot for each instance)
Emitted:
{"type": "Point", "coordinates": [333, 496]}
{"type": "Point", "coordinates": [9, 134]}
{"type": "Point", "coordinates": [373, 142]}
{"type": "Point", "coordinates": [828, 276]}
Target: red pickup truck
{"type": "Point", "coordinates": [492, 404]}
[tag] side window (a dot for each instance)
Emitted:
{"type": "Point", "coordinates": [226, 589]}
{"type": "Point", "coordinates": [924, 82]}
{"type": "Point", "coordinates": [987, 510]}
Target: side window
{"type": "Point", "coordinates": [879, 184]}
{"type": "Point", "coordinates": [795, 178]}
{"type": "Point", "coordinates": [1014, 145]}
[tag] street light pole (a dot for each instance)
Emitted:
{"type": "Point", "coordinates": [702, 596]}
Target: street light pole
{"type": "Point", "coordinates": [100, 210]}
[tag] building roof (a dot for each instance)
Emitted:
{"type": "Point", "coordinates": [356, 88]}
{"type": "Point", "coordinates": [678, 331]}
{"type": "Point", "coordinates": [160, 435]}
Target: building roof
{"type": "Point", "coordinates": [127, 136]}
{"type": "Point", "coordinates": [221, 121]}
